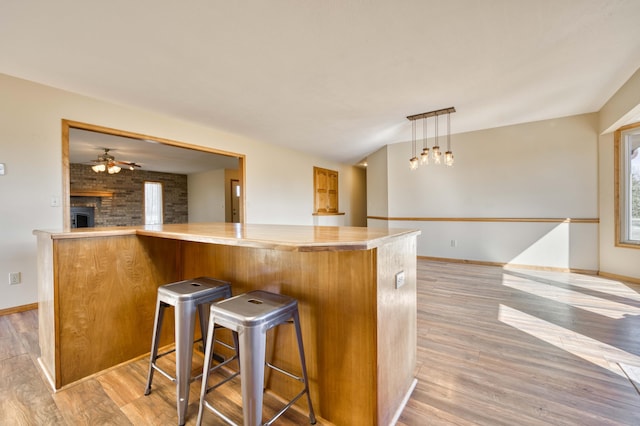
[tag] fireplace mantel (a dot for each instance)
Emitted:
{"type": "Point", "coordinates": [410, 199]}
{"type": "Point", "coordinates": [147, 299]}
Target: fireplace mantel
{"type": "Point", "coordinates": [85, 193]}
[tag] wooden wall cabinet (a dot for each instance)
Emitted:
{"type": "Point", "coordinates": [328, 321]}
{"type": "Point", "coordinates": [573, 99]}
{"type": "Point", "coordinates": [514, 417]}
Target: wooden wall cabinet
{"type": "Point", "coordinates": [325, 188]}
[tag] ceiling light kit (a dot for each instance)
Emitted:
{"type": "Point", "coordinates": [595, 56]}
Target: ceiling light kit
{"type": "Point", "coordinates": [436, 154]}
{"type": "Point", "coordinates": [106, 162]}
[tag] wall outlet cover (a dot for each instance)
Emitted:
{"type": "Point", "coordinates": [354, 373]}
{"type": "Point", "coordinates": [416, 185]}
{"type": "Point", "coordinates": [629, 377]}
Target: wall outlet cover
{"type": "Point", "coordinates": [14, 278]}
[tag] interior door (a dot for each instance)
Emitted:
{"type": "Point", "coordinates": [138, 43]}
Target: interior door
{"type": "Point", "coordinates": [235, 201]}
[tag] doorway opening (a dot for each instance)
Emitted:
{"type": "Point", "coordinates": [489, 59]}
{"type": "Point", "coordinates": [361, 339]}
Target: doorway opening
{"type": "Point", "coordinates": [82, 142]}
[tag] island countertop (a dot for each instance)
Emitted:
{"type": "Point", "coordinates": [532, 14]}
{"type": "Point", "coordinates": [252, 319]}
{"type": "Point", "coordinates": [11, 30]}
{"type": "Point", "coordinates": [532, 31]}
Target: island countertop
{"type": "Point", "coordinates": [277, 237]}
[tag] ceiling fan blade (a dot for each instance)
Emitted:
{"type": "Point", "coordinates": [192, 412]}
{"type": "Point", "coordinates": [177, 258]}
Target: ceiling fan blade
{"type": "Point", "coordinates": [109, 160]}
{"type": "Point", "coordinates": [128, 163]}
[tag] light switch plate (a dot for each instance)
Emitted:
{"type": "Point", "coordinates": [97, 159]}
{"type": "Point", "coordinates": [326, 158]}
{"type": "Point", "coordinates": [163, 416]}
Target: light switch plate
{"type": "Point", "coordinates": [399, 279]}
{"type": "Point", "coordinates": [1, 169]}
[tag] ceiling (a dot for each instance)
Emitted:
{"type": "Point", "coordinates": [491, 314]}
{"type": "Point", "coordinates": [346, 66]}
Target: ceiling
{"type": "Point", "coordinates": [85, 146]}
{"type": "Point", "coordinates": [332, 78]}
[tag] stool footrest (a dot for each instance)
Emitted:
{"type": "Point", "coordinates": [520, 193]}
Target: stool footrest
{"type": "Point", "coordinates": [164, 373]}
{"type": "Point", "coordinates": [286, 373]}
{"type": "Point", "coordinates": [225, 380]}
{"type": "Point", "coordinates": [219, 414]}
{"type": "Point", "coordinates": [170, 351]}
{"type": "Point", "coordinates": [285, 408]}
{"type": "Point", "coordinates": [193, 378]}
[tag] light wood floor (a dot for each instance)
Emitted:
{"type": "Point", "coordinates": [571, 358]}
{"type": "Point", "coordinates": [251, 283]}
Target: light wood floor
{"type": "Point", "coordinates": [522, 347]}
{"type": "Point", "coordinates": [495, 347]}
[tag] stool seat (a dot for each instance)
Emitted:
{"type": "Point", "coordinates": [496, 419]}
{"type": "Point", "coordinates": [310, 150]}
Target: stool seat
{"type": "Point", "coordinates": [186, 297]}
{"type": "Point", "coordinates": [198, 290]}
{"type": "Point", "coordinates": [254, 309]}
{"type": "Point", "coordinates": [251, 315]}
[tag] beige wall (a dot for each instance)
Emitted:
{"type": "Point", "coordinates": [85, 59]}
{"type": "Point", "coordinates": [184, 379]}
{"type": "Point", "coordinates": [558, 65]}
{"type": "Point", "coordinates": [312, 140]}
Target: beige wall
{"type": "Point", "coordinates": [623, 108]}
{"type": "Point", "coordinates": [553, 168]}
{"type": "Point", "coordinates": [545, 169]}
{"type": "Point", "coordinates": [279, 182]}
{"type": "Point", "coordinates": [378, 185]}
{"type": "Point", "coordinates": [357, 180]}
{"type": "Point", "coordinates": [207, 201]}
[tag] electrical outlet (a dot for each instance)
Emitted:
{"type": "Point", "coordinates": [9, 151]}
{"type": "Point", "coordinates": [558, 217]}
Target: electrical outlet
{"type": "Point", "coordinates": [454, 243]}
{"type": "Point", "coordinates": [14, 278]}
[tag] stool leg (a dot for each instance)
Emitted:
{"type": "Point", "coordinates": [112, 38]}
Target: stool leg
{"type": "Point", "coordinates": [184, 351]}
{"type": "Point", "coordinates": [253, 341]}
{"type": "Point", "coordinates": [155, 340]}
{"type": "Point", "coordinates": [206, 367]}
{"type": "Point", "coordinates": [303, 363]}
{"type": "Point", "coordinates": [203, 316]}
{"type": "Point", "coordinates": [236, 345]}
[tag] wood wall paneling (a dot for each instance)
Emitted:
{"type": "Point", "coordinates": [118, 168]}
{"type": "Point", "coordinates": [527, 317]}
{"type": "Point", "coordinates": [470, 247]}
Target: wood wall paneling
{"type": "Point", "coordinates": [47, 310]}
{"type": "Point", "coordinates": [336, 292]}
{"type": "Point", "coordinates": [396, 323]}
{"type": "Point", "coordinates": [106, 291]}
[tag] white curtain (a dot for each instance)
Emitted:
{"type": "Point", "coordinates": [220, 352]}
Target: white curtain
{"type": "Point", "coordinates": [152, 203]}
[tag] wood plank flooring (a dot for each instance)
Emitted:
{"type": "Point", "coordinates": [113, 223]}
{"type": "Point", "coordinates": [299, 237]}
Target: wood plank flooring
{"type": "Point", "coordinates": [495, 347]}
{"type": "Point", "coordinates": [522, 347]}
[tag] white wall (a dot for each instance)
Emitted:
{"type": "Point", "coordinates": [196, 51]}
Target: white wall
{"type": "Point", "coordinates": [206, 196]}
{"type": "Point", "coordinates": [357, 181]}
{"type": "Point", "coordinates": [378, 185]}
{"type": "Point", "coordinates": [545, 169]}
{"type": "Point", "coordinates": [623, 108]}
{"type": "Point", "coordinates": [279, 182]}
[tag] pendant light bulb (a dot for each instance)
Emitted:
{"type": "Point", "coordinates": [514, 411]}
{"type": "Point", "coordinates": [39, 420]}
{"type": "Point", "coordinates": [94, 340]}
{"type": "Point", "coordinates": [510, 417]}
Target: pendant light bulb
{"type": "Point", "coordinates": [448, 158]}
{"type": "Point", "coordinates": [437, 155]}
{"type": "Point", "coordinates": [424, 156]}
{"type": "Point", "coordinates": [413, 163]}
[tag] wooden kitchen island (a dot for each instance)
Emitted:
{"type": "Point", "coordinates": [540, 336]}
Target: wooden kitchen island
{"type": "Point", "coordinates": [97, 292]}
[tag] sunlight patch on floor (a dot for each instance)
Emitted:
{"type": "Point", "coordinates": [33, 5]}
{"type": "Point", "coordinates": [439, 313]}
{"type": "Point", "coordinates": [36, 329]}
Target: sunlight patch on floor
{"type": "Point", "coordinates": [577, 344]}
{"type": "Point", "coordinates": [576, 299]}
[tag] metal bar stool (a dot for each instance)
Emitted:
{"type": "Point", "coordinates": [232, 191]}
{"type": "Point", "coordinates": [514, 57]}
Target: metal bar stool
{"type": "Point", "coordinates": [186, 296]}
{"type": "Point", "coordinates": [251, 315]}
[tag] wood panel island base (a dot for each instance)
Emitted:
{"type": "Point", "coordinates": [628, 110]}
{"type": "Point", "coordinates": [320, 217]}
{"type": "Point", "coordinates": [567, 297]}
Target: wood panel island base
{"type": "Point", "coordinates": [97, 292]}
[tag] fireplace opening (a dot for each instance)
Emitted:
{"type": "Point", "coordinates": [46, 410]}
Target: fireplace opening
{"type": "Point", "coordinates": [82, 217]}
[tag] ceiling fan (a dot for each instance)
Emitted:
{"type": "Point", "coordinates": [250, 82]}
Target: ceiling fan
{"type": "Point", "coordinates": [107, 162]}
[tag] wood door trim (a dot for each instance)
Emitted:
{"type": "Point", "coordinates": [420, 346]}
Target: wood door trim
{"type": "Point", "coordinates": [489, 219]}
{"type": "Point", "coordinates": [66, 180]}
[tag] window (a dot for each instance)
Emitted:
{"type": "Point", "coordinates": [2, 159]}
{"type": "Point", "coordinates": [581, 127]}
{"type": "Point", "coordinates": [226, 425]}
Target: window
{"type": "Point", "coordinates": [627, 162]}
{"type": "Point", "coordinates": [325, 190]}
{"type": "Point", "coordinates": [152, 203]}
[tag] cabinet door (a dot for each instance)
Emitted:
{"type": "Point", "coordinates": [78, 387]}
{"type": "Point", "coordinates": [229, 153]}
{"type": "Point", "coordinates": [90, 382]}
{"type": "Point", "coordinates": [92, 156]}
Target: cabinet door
{"type": "Point", "coordinates": [325, 183]}
{"type": "Point", "coordinates": [332, 192]}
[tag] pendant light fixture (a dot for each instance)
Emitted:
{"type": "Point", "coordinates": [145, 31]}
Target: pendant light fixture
{"type": "Point", "coordinates": [424, 156]}
{"type": "Point", "coordinates": [448, 156]}
{"type": "Point", "coordinates": [413, 162]}
{"type": "Point", "coordinates": [436, 153]}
